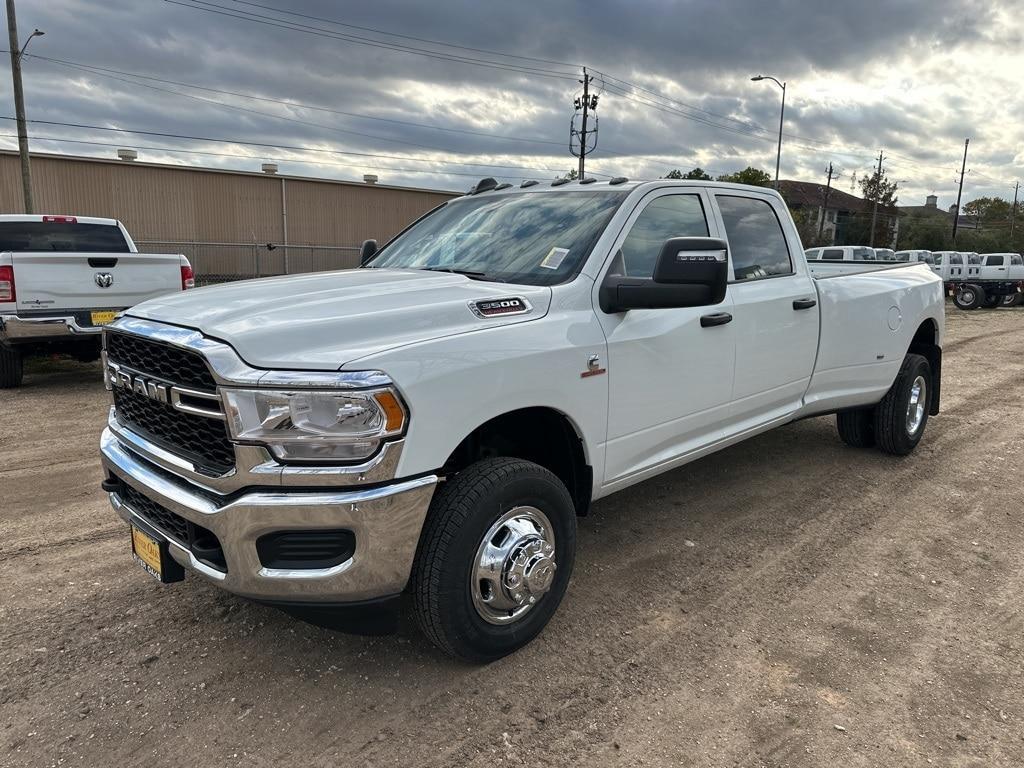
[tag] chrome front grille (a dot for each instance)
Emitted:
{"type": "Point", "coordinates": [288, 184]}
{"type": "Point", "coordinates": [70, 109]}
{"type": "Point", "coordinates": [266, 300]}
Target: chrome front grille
{"type": "Point", "coordinates": [168, 396]}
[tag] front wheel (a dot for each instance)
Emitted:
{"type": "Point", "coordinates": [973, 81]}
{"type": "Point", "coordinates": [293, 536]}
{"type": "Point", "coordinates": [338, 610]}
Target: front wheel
{"type": "Point", "coordinates": [901, 417]}
{"type": "Point", "coordinates": [494, 559]}
{"type": "Point", "coordinates": [968, 297]}
{"type": "Point", "coordinates": [1012, 299]}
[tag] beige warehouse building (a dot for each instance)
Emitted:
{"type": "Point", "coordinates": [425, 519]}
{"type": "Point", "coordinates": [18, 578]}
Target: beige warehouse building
{"type": "Point", "coordinates": [222, 220]}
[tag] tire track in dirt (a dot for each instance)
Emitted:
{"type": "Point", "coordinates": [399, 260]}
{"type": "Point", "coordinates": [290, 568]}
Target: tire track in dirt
{"type": "Point", "coordinates": [795, 566]}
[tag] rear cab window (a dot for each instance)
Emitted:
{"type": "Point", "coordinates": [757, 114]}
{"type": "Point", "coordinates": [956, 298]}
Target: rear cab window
{"type": "Point", "coordinates": [757, 242]}
{"type": "Point", "coordinates": [27, 236]}
{"type": "Point", "coordinates": [994, 261]}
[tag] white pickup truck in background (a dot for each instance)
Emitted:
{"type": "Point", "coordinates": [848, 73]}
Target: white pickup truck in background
{"type": "Point", "coordinates": [62, 278]}
{"type": "Point", "coordinates": [434, 421]}
{"type": "Point", "coordinates": [994, 279]}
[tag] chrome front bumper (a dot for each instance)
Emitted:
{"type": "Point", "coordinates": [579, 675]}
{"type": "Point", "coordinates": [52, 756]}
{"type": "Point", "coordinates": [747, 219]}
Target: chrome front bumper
{"type": "Point", "coordinates": [386, 521]}
{"type": "Point", "coordinates": [16, 329]}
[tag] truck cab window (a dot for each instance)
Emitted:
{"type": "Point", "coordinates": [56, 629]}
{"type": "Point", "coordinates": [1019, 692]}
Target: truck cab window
{"type": "Point", "coordinates": [664, 218]}
{"type": "Point", "coordinates": [756, 240]}
{"type": "Point", "coordinates": [35, 236]}
{"type": "Point", "coordinates": [994, 261]}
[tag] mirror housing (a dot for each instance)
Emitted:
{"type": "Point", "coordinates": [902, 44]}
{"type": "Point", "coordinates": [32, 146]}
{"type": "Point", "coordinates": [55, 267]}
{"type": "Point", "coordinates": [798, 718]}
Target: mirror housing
{"type": "Point", "coordinates": [367, 251]}
{"type": "Point", "coordinates": [690, 272]}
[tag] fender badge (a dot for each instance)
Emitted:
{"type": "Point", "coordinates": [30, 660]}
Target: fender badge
{"type": "Point", "coordinates": [593, 367]}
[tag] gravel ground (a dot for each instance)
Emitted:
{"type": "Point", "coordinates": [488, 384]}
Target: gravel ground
{"type": "Point", "coordinates": [786, 602]}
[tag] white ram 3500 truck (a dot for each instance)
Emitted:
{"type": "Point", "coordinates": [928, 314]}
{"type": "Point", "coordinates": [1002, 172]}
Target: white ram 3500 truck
{"type": "Point", "coordinates": [62, 278]}
{"type": "Point", "coordinates": [434, 421]}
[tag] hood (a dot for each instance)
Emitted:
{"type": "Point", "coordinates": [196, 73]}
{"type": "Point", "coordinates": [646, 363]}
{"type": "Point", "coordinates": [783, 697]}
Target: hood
{"type": "Point", "coordinates": [324, 320]}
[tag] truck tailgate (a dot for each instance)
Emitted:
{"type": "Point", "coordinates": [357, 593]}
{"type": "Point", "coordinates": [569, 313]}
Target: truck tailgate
{"type": "Point", "coordinates": [92, 280]}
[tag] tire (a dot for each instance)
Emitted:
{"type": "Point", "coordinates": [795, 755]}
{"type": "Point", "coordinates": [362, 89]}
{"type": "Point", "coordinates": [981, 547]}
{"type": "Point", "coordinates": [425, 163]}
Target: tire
{"type": "Point", "coordinates": [12, 369]}
{"type": "Point", "coordinates": [857, 428]}
{"type": "Point", "coordinates": [898, 426]}
{"type": "Point", "coordinates": [968, 297]}
{"type": "Point", "coordinates": [451, 606]}
{"type": "Point", "coordinates": [1013, 299]}
{"type": "Point", "coordinates": [991, 302]}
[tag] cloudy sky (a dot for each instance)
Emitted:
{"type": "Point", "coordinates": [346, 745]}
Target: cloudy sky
{"type": "Point", "coordinates": [437, 94]}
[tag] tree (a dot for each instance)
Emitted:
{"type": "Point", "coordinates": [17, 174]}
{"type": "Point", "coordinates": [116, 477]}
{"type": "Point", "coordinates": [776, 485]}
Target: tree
{"type": "Point", "coordinates": [749, 175]}
{"type": "Point", "coordinates": [877, 188]}
{"type": "Point", "coordinates": [990, 210]}
{"type": "Point", "coordinates": [571, 175]}
{"type": "Point", "coordinates": [697, 173]}
{"type": "Point", "coordinates": [807, 226]}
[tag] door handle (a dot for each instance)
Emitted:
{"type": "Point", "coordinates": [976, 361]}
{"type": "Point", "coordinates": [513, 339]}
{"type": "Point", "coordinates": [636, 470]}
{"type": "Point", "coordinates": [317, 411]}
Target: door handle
{"type": "Point", "coordinates": [718, 318]}
{"type": "Point", "coordinates": [804, 303]}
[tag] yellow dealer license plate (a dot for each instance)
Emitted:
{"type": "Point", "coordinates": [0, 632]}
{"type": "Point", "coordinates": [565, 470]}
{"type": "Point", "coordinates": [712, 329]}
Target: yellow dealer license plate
{"type": "Point", "coordinates": [104, 317]}
{"type": "Point", "coordinates": [147, 552]}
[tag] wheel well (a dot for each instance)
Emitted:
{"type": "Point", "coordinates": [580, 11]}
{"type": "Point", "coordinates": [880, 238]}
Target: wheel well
{"type": "Point", "coordinates": [925, 343]}
{"type": "Point", "coordinates": [541, 435]}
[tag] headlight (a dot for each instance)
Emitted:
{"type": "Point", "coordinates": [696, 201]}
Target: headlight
{"type": "Point", "coordinates": [314, 425]}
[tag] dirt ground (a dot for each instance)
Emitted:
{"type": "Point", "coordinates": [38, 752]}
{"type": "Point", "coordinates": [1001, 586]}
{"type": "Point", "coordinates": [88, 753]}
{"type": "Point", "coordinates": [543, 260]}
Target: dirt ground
{"type": "Point", "coordinates": [787, 602]}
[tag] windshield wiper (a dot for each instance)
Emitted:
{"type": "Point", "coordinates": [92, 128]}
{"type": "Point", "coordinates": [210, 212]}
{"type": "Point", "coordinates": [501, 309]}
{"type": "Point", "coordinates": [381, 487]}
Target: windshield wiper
{"type": "Point", "coordinates": [466, 272]}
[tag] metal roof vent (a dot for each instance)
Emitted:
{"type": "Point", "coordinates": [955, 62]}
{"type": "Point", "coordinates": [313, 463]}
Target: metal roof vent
{"type": "Point", "coordinates": [370, 178]}
{"type": "Point", "coordinates": [127, 154]}
{"type": "Point", "coordinates": [270, 168]}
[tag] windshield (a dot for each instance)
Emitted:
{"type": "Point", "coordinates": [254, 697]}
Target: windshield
{"type": "Point", "coordinates": [533, 238]}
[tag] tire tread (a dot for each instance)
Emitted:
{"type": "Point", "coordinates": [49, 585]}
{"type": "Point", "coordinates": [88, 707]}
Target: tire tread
{"type": "Point", "coordinates": [11, 368]}
{"type": "Point", "coordinates": [453, 505]}
{"type": "Point", "coordinates": [890, 435]}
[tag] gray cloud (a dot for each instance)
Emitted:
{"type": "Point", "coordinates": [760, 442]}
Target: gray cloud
{"type": "Point", "coordinates": [699, 53]}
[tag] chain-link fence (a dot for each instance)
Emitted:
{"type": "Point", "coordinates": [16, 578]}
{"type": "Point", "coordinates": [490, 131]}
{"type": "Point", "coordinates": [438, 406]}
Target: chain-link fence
{"type": "Point", "coordinates": [223, 262]}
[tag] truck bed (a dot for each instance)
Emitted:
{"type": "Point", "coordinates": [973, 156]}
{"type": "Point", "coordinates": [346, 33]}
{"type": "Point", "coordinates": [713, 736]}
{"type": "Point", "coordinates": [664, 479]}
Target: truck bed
{"type": "Point", "coordinates": [863, 335]}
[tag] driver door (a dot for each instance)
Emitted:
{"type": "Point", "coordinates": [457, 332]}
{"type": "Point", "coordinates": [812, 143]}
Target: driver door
{"type": "Point", "coordinates": [670, 377]}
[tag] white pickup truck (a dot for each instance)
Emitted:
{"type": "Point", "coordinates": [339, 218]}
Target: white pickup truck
{"type": "Point", "coordinates": [62, 278]}
{"type": "Point", "coordinates": [995, 279]}
{"type": "Point", "coordinates": [434, 421]}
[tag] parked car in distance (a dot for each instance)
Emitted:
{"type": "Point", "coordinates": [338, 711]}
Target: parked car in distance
{"type": "Point", "coordinates": [885, 254]}
{"type": "Point", "coordinates": [434, 422]}
{"type": "Point", "coordinates": [62, 278]}
{"type": "Point", "coordinates": [994, 279]}
{"type": "Point", "coordinates": [846, 253]}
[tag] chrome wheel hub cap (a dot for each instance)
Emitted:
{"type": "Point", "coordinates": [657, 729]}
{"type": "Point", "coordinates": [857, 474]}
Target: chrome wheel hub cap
{"type": "Point", "coordinates": [514, 566]}
{"type": "Point", "coordinates": [916, 406]}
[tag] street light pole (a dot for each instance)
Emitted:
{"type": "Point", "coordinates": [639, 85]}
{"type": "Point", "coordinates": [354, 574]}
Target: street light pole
{"type": "Point", "coordinates": [17, 51]}
{"type": "Point", "coordinates": [782, 116]}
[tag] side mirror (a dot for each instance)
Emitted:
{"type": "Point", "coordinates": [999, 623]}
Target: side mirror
{"type": "Point", "coordinates": [367, 251]}
{"type": "Point", "coordinates": [689, 272]}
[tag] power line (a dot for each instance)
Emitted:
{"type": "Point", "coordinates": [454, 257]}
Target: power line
{"type": "Point", "coordinates": [248, 110]}
{"type": "Point", "coordinates": [292, 147]}
{"type": "Point", "coordinates": [268, 158]}
{"type": "Point", "coordinates": [95, 69]}
{"type": "Point", "coordinates": [207, 7]}
{"type": "Point", "coordinates": [408, 37]}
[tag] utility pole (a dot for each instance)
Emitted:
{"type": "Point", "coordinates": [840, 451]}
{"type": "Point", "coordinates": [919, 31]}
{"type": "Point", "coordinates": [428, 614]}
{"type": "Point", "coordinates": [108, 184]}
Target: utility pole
{"type": "Point", "coordinates": [587, 103]}
{"type": "Point", "coordinates": [1013, 211]}
{"type": "Point", "coordinates": [960, 191]}
{"type": "Point", "coordinates": [874, 211]}
{"type": "Point", "coordinates": [824, 203]}
{"type": "Point", "coordinates": [19, 101]}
